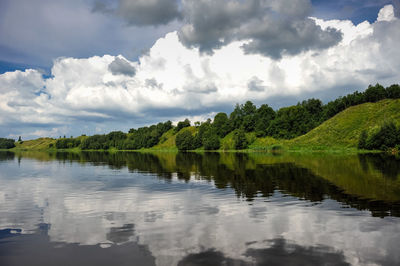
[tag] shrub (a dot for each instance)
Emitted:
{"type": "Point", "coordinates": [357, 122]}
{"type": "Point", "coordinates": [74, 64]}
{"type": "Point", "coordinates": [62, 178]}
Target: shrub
{"type": "Point", "coordinates": [184, 140]}
{"type": "Point", "coordinates": [384, 138]}
{"type": "Point", "coordinates": [6, 143]}
{"type": "Point", "coordinates": [240, 139]}
{"type": "Point", "coordinates": [211, 140]}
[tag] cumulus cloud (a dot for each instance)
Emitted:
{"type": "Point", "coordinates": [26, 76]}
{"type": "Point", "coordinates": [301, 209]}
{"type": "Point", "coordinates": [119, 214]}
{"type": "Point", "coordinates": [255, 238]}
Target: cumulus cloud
{"type": "Point", "coordinates": [141, 12]}
{"type": "Point", "coordinates": [173, 80]}
{"type": "Point", "coordinates": [386, 13]}
{"type": "Point", "coordinates": [272, 27]}
{"type": "Point", "coordinates": [120, 66]}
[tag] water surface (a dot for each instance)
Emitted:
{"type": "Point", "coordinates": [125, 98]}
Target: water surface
{"type": "Point", "coordinates": [194, 209]}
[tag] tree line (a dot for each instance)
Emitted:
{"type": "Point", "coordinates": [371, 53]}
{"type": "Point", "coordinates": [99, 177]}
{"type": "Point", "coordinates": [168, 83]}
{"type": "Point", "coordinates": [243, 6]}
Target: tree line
{"type": "Point", "coordinates": [284, 123]}
{"type": "Point", "coordinates": [144, 137]}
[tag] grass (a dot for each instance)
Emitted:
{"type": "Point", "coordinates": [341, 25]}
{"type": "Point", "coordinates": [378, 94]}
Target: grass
{"type": "Point", "coordinates": [36, 144]}
{"type": "Point", "coordinates": [344, 129]}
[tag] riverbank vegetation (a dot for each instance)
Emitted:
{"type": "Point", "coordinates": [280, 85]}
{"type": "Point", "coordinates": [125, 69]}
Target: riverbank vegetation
{"type": "Point", "coordinates": [360, 119]}
{"type": "Point", "coordinates": [6, 143]}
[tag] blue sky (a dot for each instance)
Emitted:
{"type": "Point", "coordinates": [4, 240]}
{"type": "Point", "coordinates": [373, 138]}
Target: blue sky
{"type": "Point", "coordinates": [93, 66]}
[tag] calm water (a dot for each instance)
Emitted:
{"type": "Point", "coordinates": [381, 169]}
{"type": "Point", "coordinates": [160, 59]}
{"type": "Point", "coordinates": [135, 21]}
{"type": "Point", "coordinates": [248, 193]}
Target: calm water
{"type": "Point", "coordinates": [192, 209]}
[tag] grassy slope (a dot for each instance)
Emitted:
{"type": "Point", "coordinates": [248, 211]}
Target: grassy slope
{"type": "Point", "coordinates": [167, 140]}
{"type": "Point", "coordinates": [344, 129]}
{"type": "Point", "coordinates": [35, 144]}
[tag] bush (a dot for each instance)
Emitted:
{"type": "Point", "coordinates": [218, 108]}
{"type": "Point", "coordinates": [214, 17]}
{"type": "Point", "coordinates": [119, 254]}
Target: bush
{"type": "Point", "coordinates": [144, 137]}
{"type": "Point", "coordinates": [211, 140]}
{"type": "Point", "coordinates": [385, 137]}
{"type": "Point", "coordinates": [6, 143]}
{"type": "Point", "coordinates": [240, 139]}
{"type": "Point", "coordinates": [184, 140]}
{"type": "Point", "coordinates": [67, 143]}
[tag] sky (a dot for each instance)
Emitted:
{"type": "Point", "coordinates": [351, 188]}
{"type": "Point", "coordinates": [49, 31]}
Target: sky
{"type": "Point", "coordinates": [95, 66]}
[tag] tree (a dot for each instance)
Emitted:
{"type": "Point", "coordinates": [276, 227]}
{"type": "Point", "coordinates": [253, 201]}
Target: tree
{"type": "Point", "coordinates": [145, 137]}
{"type": "Point", "coordinates": [375, 93]}
{"type": "Point", "coordinates": [182, 124]}
{"type": "Point", "coordinates": [239, 139]}
{"type": "Point", "coordinates": [19, 139]}
{"type": "Point", "coordinates": [249, 116]}
{"type": "Point", "coordinates": [264, 116]}
{"type": "Point", "coordinates": [221, 124]}
{"type": "Point", "coordinates": [184, 140]}
{"type": "Point", "coordinates": [393, 91]}
{"type": "Point", "coordinates": [236, 117]}
{"type": "Point", "coordinates": [290, 122]}
{"type": "Point", "coordinates": [385, 137]}
{"type": "Point", "coordinates": [211, 140]}
{"type": "Point", "coordinates": [6, 143]}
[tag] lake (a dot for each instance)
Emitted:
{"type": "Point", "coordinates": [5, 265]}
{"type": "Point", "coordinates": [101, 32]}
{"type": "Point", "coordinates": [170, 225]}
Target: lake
{"type": "Point", "coordinates": [94, 208]}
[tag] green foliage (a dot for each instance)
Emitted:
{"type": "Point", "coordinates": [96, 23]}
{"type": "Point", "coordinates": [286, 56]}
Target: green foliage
{"type": "Point", "coordinates": [67, 143]}
{"type": "Point", "coordinates": [182, 124]}
{"type": "Point", "coordinates": [184, 140]}
{"type": "Point", "coordinates": [375, 93]}
{"type": "Point", "coordinates": [211, 140]}
{"type": "Point", "coordinates": [116, 139]}
{"type": "Point", "coordinates": [6, 143]}
{"type": "Point", "coordinates": [296, 120]}
{"type": "Point", "coordinates": [393, 91]}
{"type": "Point", "coordinates": [145, 137]}
{"type": "Point", "coordinates": [95, 142]}
{"type": "Point", "coordinates": [344, 129]}
{"type": "Point", "coordinates": [239, 139]}
{"type": "Point", "coordinates": [221, 124]}
{"type": "Point", "coordinates": [236, 117]}
{"type": "Point", "coordinates": [199, 137]}
{"type": "Point", "coordinates": [388, 136]}
{"type": "Point", "coordinates": [264, 116]}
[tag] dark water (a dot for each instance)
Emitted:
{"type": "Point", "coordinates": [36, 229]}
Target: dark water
{"type": "Point", "coordinates": [193, 209]}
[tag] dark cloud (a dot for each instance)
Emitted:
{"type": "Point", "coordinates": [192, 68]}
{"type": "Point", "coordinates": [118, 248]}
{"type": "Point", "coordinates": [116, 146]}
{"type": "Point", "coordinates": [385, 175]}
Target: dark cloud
{"type": "Point", "coordinates": [121, 67]}
{"type": "Point", "coordinates": [273, 27]}
{"type": "Point", "coordinates": [152, 83]}
{"type": "Point", "coordinates": [212, 24]}
{"type": "Point", "coordinates": [276, 38]}
{"type": "Point", "coordinates": [256, 84]}
{"type": "Point", "coordinates": [141, 12]}
{"type": "Point", "coordinates": [199, 88]}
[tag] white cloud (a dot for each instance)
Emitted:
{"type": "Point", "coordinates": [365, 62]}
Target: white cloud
{"type": "Point", "coordinates": [173, 81]}
{"type": "Point", "coordinates": [386, 13]}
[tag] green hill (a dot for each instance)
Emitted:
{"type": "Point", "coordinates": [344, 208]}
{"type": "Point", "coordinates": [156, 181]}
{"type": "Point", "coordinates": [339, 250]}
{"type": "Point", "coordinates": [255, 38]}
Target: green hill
{"type": "Point", "coordinates": [35, 144]}
{"type": "Point", "coordinates": [344, 129]}
{"type": "Point", "coordinates": [167, 140]}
